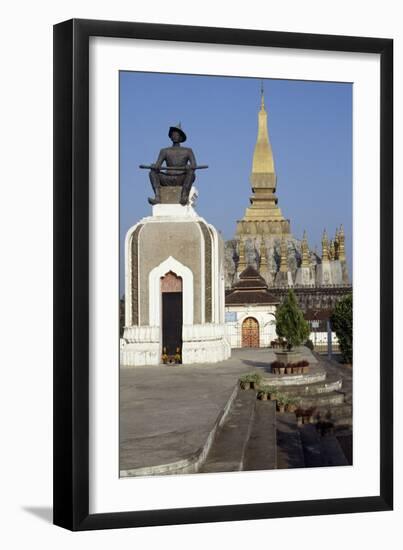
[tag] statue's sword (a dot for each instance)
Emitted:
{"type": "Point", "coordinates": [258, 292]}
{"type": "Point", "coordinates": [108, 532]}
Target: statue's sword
{"type": "Point", "coordinates": [153, 167]}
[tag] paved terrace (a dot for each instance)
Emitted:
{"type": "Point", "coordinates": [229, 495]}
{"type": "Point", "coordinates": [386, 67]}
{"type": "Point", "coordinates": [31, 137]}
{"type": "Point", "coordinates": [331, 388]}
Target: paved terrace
{"type": "Point", "coordinates": [168, 412]}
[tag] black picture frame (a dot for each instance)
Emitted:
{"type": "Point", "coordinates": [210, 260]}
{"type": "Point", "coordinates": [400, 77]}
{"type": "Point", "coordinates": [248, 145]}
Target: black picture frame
{"type": "Point", "coordinates": [71, 274]}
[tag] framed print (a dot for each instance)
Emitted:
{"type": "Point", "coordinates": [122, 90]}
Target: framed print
{"type": "Point", "coordinates": [223, 274]}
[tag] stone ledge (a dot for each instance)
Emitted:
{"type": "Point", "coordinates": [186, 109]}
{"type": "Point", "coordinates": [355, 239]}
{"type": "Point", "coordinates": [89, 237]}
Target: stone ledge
{"type": "Point", "coordinates": [191, 464]}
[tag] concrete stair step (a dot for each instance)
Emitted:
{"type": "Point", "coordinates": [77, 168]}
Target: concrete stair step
{"type": "Point", "coordinates": [260, 451]}
{"type": "Point", "coordinates": [289, 447]}
{"type": "Point", "coordinates": [310, 440]}
{"type": "Point", "coordinates": [336, 414]}
{"type": "Point", "coordinates": [343, 422]}
{"type": "Point", "coordinates": [322, 399]}
{"type": "Point", "coordinates": [320, 451]}
{"type": "Point", "coordinates": [228, 448]}
{"type": "Point", "coordinates": [327, 386]}
{"type": "Point", "coordinates": [317, 374]}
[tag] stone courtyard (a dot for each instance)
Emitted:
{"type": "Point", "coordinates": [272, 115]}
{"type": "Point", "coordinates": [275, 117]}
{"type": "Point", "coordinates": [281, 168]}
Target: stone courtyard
{"type": "Point", "coordinates": [195, 418]}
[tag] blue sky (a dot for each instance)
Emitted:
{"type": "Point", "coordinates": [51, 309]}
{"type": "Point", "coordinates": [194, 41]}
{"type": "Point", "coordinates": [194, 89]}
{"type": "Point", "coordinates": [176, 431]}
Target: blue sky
{"type": "Point", "coordinates": [310, 127]}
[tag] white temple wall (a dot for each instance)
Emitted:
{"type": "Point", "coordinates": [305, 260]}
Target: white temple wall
{"type": "Point", "coordinates": [264, 315]}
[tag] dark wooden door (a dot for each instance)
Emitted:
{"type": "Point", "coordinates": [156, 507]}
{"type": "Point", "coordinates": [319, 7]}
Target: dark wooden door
{"type": "Point", "coordinates": [250, 333]}
{"type": "Point", "coordinates": [172, 322]}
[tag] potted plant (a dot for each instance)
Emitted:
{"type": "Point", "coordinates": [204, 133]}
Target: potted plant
{"type": "Point", "coordinates": [304, 366]}
{"type": "Point", "coordinates": [292, 404]}
{"type": "Point", "coordinates": [254, 380]}
{"type": "Point", "coordinates": [250, 381]}
{"type": "Point", "coordinates": [263, 393]}
{"type": "Point", "coordinates": [281, 369]}
{"type": "Point", "coordinates": [275, 367]}
{"type": "Point", "coordinates": [244, 382]}
{"type": "Point", "coordinates": [164, 356]}
{"type": "Point", "coordinates": [177, 356]}
{"type": "Point", "coordinates": [296, 368]}
{"type": "Point", "coordinates": [281, 402]}
{"type": "Point", "coordinates": [272, 392]}
{"type": "Point", "coordinates": [288, 368]}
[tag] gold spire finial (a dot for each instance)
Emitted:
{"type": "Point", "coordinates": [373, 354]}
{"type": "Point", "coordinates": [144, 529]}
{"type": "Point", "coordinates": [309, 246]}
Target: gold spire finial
{"type": "Point", "coordinates": [304, 251]}
{"type": "Point", "coordinates": [263, 162]}
{"type": "Point", "coordinates": [261, 95]}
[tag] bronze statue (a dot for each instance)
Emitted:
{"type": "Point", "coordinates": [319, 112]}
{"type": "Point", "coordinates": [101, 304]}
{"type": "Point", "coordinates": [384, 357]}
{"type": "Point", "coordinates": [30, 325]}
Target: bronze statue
{"type": "Point", "coordinates": [179, 169]}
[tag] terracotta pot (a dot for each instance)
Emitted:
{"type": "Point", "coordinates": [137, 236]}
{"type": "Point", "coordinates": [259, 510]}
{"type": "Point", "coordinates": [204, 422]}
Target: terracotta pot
{"type": "Point", "coordinates": [245, 385]}
{"type": "Point", "coordinates": [305, 370]}
{"type": "Point", "coordinates": [281, 370]}
{"type": "Point", "coordinates": [288, 370]}
{"type": "Point", "coordinates": [281, 408]}
{"type": "Point", "coordinates": [263, 397]}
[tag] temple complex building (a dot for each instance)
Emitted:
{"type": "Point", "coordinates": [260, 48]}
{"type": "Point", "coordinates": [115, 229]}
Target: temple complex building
{"type": "Point", "coordinates": [264, 242]}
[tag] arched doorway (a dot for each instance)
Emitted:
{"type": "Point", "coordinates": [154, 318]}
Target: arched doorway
{"type": "Point", "coordinates": [172, 317]}
{"type": "Point", "coordinates": [250, 333]}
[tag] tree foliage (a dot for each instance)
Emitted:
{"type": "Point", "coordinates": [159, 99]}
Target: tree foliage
{"type": "Point", "coordinates": [290, 322]}
{"type": "Point", "coordinates": [342, 324]}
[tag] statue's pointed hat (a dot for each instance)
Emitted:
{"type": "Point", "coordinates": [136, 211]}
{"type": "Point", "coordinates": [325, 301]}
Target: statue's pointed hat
{"type": "Point", "coordinates": [178, 129]}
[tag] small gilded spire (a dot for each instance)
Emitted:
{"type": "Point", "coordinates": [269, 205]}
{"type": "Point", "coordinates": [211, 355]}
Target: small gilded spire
{"type": "Point", "coordinates": [241, 254]}
{"type": "Point", "coordinates": [325, 247]}
{"type": "Point", "coordinates": [341, 247]}
{"type": "Point", "coordinates": [263, 254]}
{"type": "Point", "coordinates": [304, 251]}
{"type": "Point", "coordinates": [283, 256]}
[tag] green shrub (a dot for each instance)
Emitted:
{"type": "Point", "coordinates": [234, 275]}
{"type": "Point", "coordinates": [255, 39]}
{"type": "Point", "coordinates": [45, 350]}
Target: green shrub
{"type": "Point", "coordinates": [290, 322]}
{"type": "Point", "coordinates": [342, 324]}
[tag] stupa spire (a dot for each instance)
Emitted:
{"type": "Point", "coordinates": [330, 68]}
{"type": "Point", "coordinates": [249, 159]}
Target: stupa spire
{"type": "Point", "coordinates": [263, 162]}
{"type": "Point", "coordinates": [263, 210]}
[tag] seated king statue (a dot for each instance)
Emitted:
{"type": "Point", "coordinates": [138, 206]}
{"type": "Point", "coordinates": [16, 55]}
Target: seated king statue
{"type": "Point", "coordinates": [179, 169]}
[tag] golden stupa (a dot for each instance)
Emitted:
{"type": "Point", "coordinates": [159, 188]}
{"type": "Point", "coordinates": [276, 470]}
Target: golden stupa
{"type": "Point", "coordinates": [263, 216]}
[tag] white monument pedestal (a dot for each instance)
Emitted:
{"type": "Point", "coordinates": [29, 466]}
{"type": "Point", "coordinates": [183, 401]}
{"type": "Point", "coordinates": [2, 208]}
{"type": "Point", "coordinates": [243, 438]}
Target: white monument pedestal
{"type": "Point", "coordinates": [175, 252]}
